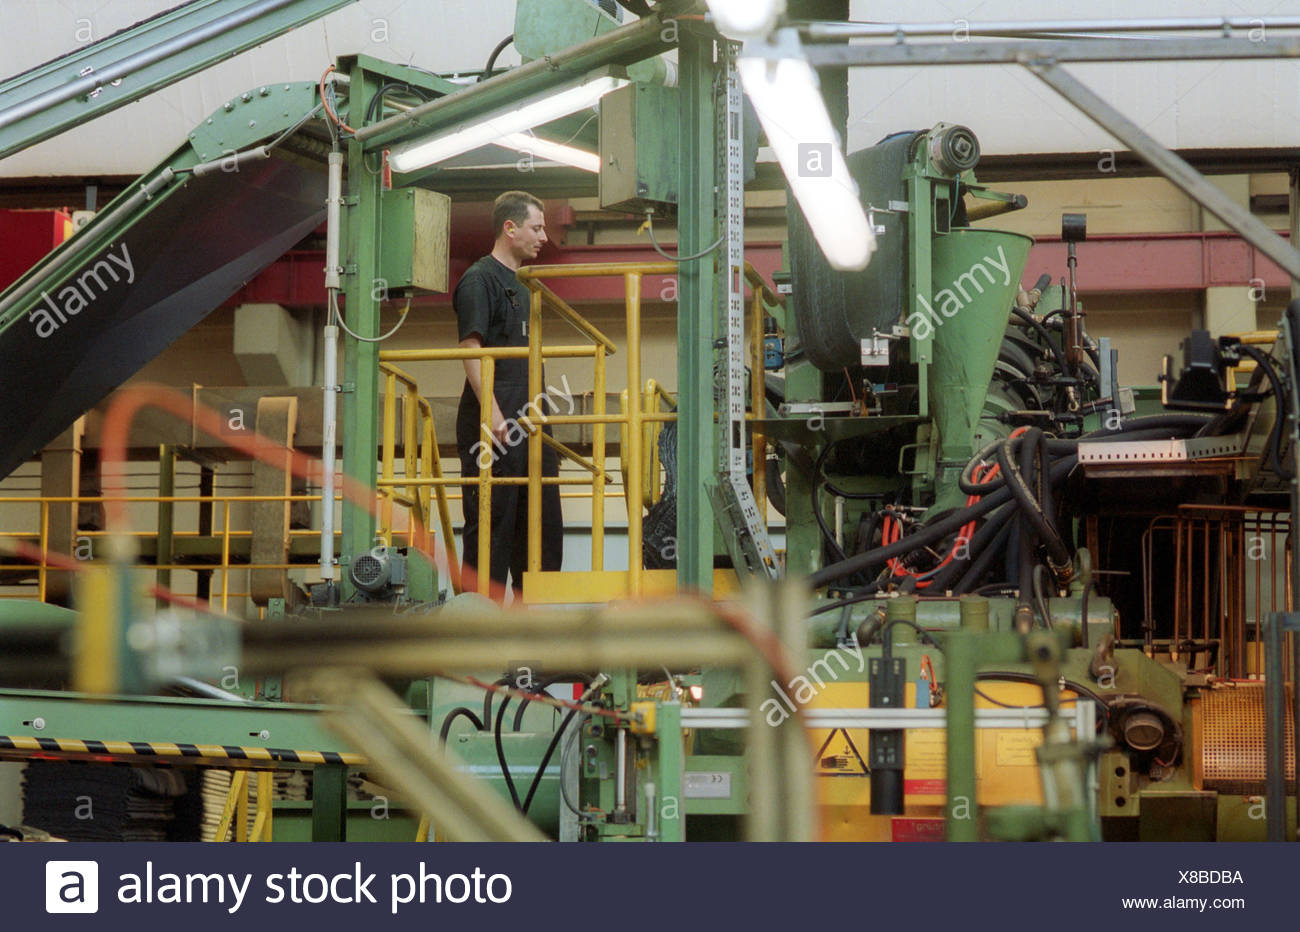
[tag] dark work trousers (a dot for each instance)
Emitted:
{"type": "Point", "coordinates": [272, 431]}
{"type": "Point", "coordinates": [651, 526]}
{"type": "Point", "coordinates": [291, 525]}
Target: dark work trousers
{"type": "Point", "coordinates": [509, 537]}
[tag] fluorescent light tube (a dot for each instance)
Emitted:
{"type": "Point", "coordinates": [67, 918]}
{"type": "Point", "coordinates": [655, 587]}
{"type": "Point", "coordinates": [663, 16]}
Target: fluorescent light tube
{"type": "Point", "coordinates": [743, 19]}
{"type": "Point", "coordinates": [447, 144]}
{"type": "Point", "coordinates": [785, 94]}
{"type": "Point", "coordinates": [552, 151]}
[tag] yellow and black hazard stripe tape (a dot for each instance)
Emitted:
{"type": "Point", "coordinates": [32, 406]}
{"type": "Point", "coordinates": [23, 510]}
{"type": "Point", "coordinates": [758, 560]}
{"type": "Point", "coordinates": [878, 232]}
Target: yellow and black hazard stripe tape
{"type": "Point", "coordinates": [167, 749]}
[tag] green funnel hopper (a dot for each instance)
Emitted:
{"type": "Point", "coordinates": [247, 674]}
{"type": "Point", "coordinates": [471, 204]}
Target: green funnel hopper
{"type": "Point", "coordinates": [974, 275]}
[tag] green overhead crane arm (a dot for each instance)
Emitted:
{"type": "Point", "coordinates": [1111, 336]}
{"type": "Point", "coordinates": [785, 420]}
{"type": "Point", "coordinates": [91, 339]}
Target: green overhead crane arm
{"type": "Point", "coordinates": [130, 64]}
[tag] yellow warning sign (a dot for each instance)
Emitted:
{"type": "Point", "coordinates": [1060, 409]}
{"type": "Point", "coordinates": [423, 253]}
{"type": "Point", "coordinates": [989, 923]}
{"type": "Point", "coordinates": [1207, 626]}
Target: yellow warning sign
{"type": "Point", "coordinates": [1016, 748]}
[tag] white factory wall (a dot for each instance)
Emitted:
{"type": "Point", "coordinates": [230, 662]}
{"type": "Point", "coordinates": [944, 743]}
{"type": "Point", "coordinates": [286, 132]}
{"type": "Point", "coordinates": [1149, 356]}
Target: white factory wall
{"type": "Point", "coordinates": [433, 34]}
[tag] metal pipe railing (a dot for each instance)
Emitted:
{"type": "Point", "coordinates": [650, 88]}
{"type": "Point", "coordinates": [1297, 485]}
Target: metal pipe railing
{"type": "Point", "coordinates": [637, 420]}
{"type": "Point", "coordinates": [1031, 28]}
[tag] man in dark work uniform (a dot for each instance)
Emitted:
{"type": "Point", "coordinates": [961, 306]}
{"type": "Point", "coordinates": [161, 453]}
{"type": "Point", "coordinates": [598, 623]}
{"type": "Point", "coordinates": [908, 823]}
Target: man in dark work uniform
{"type": "Point", "coordinates": [492, 310]}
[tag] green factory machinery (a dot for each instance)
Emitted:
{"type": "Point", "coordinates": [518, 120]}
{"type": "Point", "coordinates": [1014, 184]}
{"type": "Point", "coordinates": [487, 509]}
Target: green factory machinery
{"type": "Point", "coordinates": [983, 619]}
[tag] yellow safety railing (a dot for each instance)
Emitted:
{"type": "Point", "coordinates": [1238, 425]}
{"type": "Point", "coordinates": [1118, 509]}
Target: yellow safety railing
{"type": "Point", "coordinates": [236, 809]}
{"type": "Point", "coordinates": [1254, 338]}
{"type": "Point", "coordinates": [421, 460]}
{"type": "Point", "coordinates": [639, 419]}
{"type": "Point", "coordinates": [222, 531]}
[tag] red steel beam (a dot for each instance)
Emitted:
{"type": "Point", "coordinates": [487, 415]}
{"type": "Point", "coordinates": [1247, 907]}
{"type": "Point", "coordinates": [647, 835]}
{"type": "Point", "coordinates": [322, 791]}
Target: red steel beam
{"type": "Point", "coordinates": [26, 236]}
{"type": "Point", "coordinates": [1120, 263]}
{"type": "Point", "coordinates": [1115, 263]}
{"type": "Point", "coordinates": [296, 279]}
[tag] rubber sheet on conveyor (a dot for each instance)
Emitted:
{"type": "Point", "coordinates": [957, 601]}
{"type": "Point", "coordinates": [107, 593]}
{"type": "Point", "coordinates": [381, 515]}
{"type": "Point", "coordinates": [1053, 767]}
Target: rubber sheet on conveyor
{"type": "Point", "coordinates": [81, 331]}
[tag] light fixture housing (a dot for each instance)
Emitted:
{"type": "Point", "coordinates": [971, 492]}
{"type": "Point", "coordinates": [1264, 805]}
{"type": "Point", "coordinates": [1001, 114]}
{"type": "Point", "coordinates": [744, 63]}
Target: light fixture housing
{"type": "Point", "coordinates": [784, 90]}
{"type": "Point", "coordinates": [533, 111]}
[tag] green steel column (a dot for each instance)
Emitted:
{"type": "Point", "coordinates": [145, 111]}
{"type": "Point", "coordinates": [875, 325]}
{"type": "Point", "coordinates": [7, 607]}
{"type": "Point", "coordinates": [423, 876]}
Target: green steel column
{"type": "Point", "coordinates": [670, 798]}
{"type": "Point", "coordinates": [920, 223]}
{"type": "Point", "coordinates": [696, 230]}
{"type": "Point", "coordinates": [359, 417]}
{"type": "Point", "coordinates": [960, 652]}
{"type": "Point", "coordinates": [329, 802]}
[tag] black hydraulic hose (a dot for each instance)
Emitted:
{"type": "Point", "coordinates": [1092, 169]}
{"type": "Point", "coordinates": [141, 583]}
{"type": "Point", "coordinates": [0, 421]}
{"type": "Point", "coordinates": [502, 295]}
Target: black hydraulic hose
{"type": "Point", "coordinates": [534, 690]}
{"type": "Point", "coordinates": [1011, 563]}
{"type": "Point", "coordinates": [1150, 422]}
{"type": "Point", "coordinates": [1131, 429]}
{"type": "Point", "coordinates": [987, 555]}
{"type": "Point", "coordinates": [1152, 427]}
{"type": "Point", "coordinates": [1045, 488]}
{"type": "Point", "coordinates": [1028, 318]}
{"type": "Point", "coordinates": [966, 482]}
{"type": "Point", "coordinates": [501, 752]}
{"type": "Point", "coordinates": [867, 531]}
{"type": "Point", "coordinates": [1280, 408]}
{"type": "Point", "coordinates": [1040, 596]}
{"type": "Point", "coordinates": [458, 712]}
{"type": "Point", "coordinates": [376, 102]}
{"type": "Point", "coordinates": [862, 595]}
{"type": "Point", "coordinates": [487, 698]}
{"type": "Point", "coordinates": [927, 535]}
{"type": "Point", "coordinates": [589, 695]}
{"type": "Point", "coordinates": [496, 53]}
{"type": "Point", "coordinates": [546, 759]}
{"type": "Point", "coordinates": [1015, 484]}
{"type": "Point", "coordinates": [993, 525]}
{"type": "Point", "coordinates": [1029, 536]}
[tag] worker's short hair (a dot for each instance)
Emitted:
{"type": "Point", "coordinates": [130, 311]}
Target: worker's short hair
{"type": "Point", "coordinates": [513, 205]}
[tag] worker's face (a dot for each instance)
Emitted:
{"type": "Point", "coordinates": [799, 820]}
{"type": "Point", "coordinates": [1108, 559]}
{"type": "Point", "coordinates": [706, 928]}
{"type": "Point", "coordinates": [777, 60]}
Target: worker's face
{"type": "Point", "coordinates": [527, 238]}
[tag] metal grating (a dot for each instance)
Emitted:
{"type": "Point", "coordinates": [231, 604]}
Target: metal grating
{"type": "Point", "coordinates": [1232, 740]}
{"type": "Point", "coordinates": [366, 570]}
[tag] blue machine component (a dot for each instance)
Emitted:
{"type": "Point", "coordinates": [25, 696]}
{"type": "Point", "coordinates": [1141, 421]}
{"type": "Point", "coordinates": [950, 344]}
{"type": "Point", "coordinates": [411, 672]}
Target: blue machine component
{"type": "Point", "coordinates": [773, 352]}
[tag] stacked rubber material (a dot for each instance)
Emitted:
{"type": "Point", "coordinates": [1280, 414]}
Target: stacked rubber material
{"type": "Point", "coordinates": [286, 785]}
{"type": "Point", "coordinates": [93, 802]}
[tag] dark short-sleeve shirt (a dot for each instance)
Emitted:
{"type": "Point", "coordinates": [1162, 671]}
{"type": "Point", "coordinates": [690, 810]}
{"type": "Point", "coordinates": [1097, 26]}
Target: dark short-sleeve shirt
{"type": "Point", "coordinates": [490, 302]}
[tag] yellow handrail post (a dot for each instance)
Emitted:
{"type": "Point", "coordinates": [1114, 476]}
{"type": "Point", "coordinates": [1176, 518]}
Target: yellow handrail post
{"type": "Point", "coordinates": [388, 452]}
{"type": "Point", "coordinates": [598, 457]}
{"type": "Point", "coordinates": [632, 285]}
{"type": "Point", "coordinates": [411, 447]}
{"type": "Point", "coordinates": [262, 822]}
{"type": "Point", "coordinates": [440, 491]}
{"type": "Point", "coordinates": [225, 557]}
{"type": "Point", "coordinates": [487, 379]}
{"type": "Point", "coordinates": [428, 455]}
{"type": "Point", "coordinates": [534, 435]}
{"type": "Point", "coordinates": [241, 807]}
{"type": "Point", "coordinates": [650, 443]}
{"type": "Point", "coordinates": [757, 398]}
{"type": "Point", "coordinates": [45, 550]}
{"type": "Point", "coordinates": [237, 784]}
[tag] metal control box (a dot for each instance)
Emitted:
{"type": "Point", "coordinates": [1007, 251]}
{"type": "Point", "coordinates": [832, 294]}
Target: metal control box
{"type": "Point", "coordinates": [639, 148]}
{"type": "Point", "coordinates": [414, 241]}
